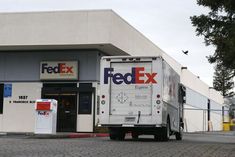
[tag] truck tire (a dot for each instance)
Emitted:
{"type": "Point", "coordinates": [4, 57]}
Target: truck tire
{"type": "Point", "coordinates": [179, 135]}
{"type": "Point", "coordinates": [116, 134]}
{"type": "Point", "coordinates": [166, 131]}
{"type": "Point", "coordinates": [134, 135]}
{"type": "Point", "coordinates": [121, 136]}
{"type": "Point", "coordinates": [112, 136]}
{"type": "Point", "coordinates": [157, 137]}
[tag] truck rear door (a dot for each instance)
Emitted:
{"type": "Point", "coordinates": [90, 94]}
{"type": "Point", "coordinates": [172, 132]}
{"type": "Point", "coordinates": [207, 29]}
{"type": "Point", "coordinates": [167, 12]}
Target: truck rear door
{"type": "Point", "coordinates": [131, 88]}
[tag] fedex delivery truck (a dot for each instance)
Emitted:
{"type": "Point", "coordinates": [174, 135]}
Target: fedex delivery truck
{"type": "Point", "coordinates": [141, 95]}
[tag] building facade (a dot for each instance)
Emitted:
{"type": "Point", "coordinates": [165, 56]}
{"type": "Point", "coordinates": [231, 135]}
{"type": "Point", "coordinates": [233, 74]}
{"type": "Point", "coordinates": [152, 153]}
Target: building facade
{"type": "Point", "coordinates": [69, 76]}
{"type": "Point", "coordinates": [57, 55]}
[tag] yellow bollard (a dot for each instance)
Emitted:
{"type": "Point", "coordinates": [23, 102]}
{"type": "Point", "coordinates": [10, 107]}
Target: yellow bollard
{"type": "Point", "coordinates": [232, 125]}
{"type": "Point", "coordinates": [226, 126]}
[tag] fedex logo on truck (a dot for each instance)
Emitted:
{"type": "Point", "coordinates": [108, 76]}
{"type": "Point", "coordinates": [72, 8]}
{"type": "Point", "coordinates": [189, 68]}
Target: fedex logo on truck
{"type": "Point", "coordinates": [61, 68]}
{"type": "Point", "coordinates": [137, 76]}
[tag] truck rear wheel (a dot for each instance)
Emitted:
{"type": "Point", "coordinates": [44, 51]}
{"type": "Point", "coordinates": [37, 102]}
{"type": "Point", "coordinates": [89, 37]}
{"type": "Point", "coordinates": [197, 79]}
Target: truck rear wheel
{"type": "Point", "coordinates": [116, 134]}
{"type": "Point", "coordinates": [179, 135]}
{"type": "Point", "coordinates": [166, 131]}
{"type": "Point", "coordinates": [158, 137]}
{"type": "Point", "coordinates": [112, 136]}
{"type": "Point", "coordinates": [121, 136]}
{"type": "Point", "coordinates": [113, 133]}
{"type": "Point", "coordinates": [134, 135]}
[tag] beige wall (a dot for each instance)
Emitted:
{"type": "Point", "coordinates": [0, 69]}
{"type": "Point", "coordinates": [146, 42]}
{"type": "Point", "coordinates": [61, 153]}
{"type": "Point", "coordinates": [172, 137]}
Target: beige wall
{"type": "Point", "coordinates": [192, 81]}
{"type": "Point", "coordinates": [78, 28]}
{"type": "Point", "coordinates": [127, 38]}
{"type": "Point", "coordinates": [216, 96]}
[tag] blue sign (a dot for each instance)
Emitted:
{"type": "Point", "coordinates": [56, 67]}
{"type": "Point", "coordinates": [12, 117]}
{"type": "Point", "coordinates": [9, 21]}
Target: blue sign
{"type": "Point", "coordinates": [7, 90]}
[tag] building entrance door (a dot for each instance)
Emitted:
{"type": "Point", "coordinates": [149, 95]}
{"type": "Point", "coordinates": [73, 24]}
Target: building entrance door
{"type": "Point", "coordinates": [67, 106]}
{"type": "Point", "coordinates": [66, 114]}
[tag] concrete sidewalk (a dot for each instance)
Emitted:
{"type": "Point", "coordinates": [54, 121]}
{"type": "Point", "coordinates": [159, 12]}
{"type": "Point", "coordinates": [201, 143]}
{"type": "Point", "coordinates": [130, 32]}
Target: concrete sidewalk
{"type": "Point", "coordinates": [223, 133]}
{"type": "Point", "coordinates": [54, 136]}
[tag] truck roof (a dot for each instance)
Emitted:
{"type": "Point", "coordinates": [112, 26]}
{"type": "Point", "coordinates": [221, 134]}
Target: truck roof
{"type": "Point", "coordinates": [120, 57]}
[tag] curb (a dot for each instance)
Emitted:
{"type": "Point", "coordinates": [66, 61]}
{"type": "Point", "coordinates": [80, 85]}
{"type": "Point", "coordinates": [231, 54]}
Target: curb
{"type": "Point", "coordinates": [54, 136]}
{"type": "Point", "coordinates": [229, 133]}
{"type": "Point", "coordinates": [74, 135]}
{"type": "Point", "coordinates": [70, 135]}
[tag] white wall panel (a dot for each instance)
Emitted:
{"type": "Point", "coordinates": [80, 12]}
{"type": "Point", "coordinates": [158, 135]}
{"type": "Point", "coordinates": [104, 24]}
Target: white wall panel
{"type": "Point", "coordinates": [1, 122]}
{"type": "Point", "coordinates": [19, 116]}
{"type": "Point", "coordinates": [216, 96]}
{"type": "Point", "coordinates": [195, 99]}
{"type": "Point", "coordinates": [195, 120]}
{"type": "Point", "coordinates": [216, 121]}
{"type": "Point", "coordinates": [216, 107]}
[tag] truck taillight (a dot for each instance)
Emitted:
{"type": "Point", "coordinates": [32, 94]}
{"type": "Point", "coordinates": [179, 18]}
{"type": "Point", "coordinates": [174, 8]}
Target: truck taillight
{"type": "Point", "coordinates": [102, 102]}
{"type": "Point", "coordinates": [158, 95]}
{"type": "Point", "coordinates": [103, 96]}
{"type": "Point", "coordinates": [158, 107]}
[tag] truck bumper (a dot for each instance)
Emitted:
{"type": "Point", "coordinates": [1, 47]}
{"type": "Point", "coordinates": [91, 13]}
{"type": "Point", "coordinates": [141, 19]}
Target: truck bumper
{"type": "Point", "coordinates": [132, 125]}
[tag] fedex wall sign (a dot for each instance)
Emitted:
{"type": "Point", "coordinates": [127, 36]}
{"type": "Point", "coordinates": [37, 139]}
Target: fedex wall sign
{"type": "Point", "coordinates": [137, 75]}
{"type": "Point", "coordinates": [59, 70]}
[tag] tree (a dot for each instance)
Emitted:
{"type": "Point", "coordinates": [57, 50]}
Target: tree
{"type": "Point", "coordinates": [223, 80]}
{"type": "Point", "coordinates": [218, 29]}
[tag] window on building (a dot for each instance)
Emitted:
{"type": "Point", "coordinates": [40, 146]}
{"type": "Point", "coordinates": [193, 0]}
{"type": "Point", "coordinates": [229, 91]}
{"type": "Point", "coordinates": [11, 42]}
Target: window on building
{"type": "Point", "coordinates": [1, 97]}
{"type": "Point", "coordinates": [85, 103]}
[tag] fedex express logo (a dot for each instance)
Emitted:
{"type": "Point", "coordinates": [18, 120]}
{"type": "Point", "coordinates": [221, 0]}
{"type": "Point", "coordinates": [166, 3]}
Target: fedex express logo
{"type": "Point", "coordinates": [137, 76]}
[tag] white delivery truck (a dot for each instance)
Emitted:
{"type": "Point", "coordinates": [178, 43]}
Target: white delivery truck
{"type": "Point", "coordinates": [141, 95]}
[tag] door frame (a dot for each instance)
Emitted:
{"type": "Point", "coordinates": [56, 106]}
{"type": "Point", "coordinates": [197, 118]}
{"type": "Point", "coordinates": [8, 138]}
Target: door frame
{"type": "Point", "coordinates": [88, 87]}
{"type": "Point", "coordinates": [59, 89]}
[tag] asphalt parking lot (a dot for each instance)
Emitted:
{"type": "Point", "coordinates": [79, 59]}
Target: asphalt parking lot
{"type": "Point", "coordinates": [193, 145]}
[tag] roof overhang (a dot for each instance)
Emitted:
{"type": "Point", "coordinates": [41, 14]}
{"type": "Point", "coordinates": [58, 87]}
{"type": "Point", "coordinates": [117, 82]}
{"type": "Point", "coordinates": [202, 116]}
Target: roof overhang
{"type": "Point", "coordinates": [108, 49]}
{"type": "Point", "coordinates": [99, 29]}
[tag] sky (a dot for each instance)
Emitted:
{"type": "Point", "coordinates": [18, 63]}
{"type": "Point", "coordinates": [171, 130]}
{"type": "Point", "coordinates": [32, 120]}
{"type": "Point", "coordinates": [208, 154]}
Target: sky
{"type": "Point", "coordinates": [165, 22]}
